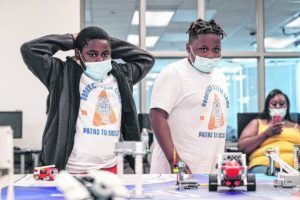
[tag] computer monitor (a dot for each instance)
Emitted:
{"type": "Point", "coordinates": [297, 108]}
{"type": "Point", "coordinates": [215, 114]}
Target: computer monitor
{"type": "Point", "coordinates": [13, 119]}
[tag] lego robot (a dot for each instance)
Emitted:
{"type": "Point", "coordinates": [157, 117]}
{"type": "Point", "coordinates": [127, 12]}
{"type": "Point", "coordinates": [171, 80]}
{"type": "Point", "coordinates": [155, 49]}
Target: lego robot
{"type": "Point", "coordinates": [138, 150]}
{"type": "Point", "coordinates": [6, 162]}
{"type": "Point", "coordinates": [46, 173]}
{"type": "Point", "coordinates": [232, 173]}
{"type": "Point", "coordinates": [178, 168]}
{"type": "Point", "coordinates": [181, 183]}
{"type": "Point", "coordinates": [287, 176]}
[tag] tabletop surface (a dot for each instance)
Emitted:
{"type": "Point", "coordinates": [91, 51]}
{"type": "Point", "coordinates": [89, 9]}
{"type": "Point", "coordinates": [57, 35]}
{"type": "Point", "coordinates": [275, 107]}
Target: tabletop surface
{"type": "Point", "coordinates": [161, 186]}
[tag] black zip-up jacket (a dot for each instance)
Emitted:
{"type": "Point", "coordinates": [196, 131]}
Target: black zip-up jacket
{"type": "Point", "coordinates": [62, 78]}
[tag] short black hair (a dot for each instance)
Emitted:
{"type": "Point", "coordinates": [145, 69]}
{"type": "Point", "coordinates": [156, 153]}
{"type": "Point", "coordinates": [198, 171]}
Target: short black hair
{"type": "Point", "coordinates": [266, 113]}
{"type": "Point", "coordinates": [90, 33]}
{"type": "Point", "coordinates": [203, 27]}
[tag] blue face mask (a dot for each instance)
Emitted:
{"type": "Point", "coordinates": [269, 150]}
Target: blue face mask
{"type": "Point", "coordinates": [96, 70]}
{"type": "Point", "coordinates": [206, 65]}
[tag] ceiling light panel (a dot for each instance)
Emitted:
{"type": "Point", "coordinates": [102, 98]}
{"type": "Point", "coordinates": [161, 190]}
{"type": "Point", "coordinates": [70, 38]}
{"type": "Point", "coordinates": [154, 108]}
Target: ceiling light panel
{"type": "Point", "coordinates": [154, 18]}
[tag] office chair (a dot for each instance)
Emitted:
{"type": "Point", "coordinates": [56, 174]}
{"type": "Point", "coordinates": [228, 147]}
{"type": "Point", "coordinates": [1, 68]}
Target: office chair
{"type": "Point", "coordinates": [296, 117]}
{"type": "Point", "coordinates": [144, 120]}
{"type": "Point", "coordinates": [243, 120]}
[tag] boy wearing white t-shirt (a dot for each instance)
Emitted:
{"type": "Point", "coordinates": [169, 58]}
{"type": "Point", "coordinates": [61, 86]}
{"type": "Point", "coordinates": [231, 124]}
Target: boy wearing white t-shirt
{"type": "Point", "coordinates": [90, 105]}
{"type": "Point", "coordinates": [189, 105]}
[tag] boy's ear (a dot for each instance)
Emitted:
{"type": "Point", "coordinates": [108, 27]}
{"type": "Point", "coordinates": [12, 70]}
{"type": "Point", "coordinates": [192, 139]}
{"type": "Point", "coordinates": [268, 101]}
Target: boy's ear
{"type": "Point", "coordinates": [187, 47]}
{"type": "Point", "coordinates": [77, 52]}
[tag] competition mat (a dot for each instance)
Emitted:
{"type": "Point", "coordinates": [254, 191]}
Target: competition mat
{"type": "Point", "coordinates": [161, 186]}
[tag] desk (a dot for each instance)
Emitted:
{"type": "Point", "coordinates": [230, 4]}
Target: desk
{"type": "Point", "coordinates": [35, 156]}
{"type": "Point", "coordinates": [163, 187]}
{"type": "Point", "coordinates": [23, 153]}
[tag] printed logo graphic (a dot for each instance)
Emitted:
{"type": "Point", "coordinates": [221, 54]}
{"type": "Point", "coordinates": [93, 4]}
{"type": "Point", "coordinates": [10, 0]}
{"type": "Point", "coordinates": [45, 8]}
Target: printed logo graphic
{"type": "Point", "coordinates": [84, 112]}
{"type": "Point", "coordinates": [104, 113]}
{"type": "Point", "coordinates": [216, 119]}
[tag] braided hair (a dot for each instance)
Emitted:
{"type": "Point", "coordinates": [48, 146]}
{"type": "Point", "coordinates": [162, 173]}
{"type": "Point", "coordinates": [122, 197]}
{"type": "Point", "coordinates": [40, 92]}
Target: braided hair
{"type": "Point", "coordinates": [203, 27]}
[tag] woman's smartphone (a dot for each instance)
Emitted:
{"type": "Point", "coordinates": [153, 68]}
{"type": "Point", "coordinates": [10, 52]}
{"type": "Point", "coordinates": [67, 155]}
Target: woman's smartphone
{"type": "Point", "coordinates": [276, 119]}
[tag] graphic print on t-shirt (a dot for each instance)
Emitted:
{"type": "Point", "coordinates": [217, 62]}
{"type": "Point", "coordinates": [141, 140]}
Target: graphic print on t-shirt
{"type": "Point", "coordinates": [104, 113]}
{"type": "Point", "coordinates": [213, 119]}
{"type": "Point", "coordinates": [216, 119]}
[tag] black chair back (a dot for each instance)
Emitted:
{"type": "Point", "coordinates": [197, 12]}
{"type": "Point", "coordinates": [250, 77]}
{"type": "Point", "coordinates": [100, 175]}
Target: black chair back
{"type": "Point", "coordinates": [144, 120]}
{"type": "Point", "coordinates": [295, 117]}
{"type": "Point", "coordinates": [243, 120]}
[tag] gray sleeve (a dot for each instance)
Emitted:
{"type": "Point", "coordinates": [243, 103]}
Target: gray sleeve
{"type": "Point", "coordinates": [137, 61]}
{"type": "Point", "coordinates": [38, 56]}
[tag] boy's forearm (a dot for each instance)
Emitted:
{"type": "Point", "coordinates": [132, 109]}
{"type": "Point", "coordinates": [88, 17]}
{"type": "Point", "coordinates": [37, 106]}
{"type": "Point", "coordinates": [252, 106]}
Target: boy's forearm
{"type": "Point", "coordinates": [123, 49]}
{"type": "Point", "coordinates": [132, 54]}
{"type": "Point", "coordinates": [38, 55]}
{"type": "Point", "coordinates": [49, 44]}
{"type": "Point", "coordinates": [163, 134]}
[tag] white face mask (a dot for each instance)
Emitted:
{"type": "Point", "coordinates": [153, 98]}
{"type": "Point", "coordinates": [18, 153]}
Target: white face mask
{"type": "Point", "coordinates": [206, 65]}
{"type": "Point", "coordinates": [277, 111]}
{"type": "Point", "coordinates": [98, 70]}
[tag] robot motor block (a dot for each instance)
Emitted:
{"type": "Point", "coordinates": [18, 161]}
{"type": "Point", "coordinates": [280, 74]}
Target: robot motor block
{"type": "Point", "coordinates": [232, 173]}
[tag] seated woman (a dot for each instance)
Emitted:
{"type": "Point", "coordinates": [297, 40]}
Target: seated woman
{"type": "Point", "coordinates": [265, 132]}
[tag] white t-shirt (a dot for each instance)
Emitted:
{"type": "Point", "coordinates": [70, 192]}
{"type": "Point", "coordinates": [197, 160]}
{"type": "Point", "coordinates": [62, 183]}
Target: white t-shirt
{"type": "Point", "coordinates": [197, 105]}
{"type": "Point", "coordinates": [98, 125]}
